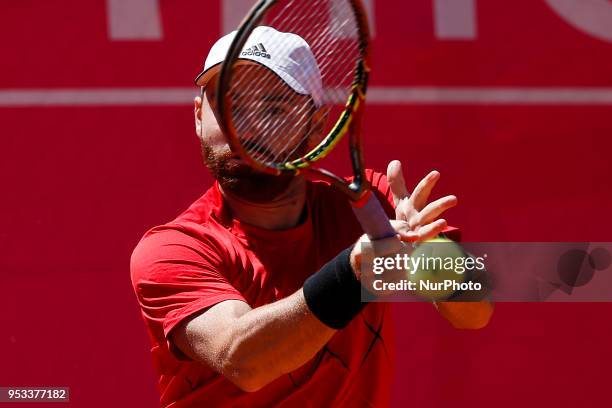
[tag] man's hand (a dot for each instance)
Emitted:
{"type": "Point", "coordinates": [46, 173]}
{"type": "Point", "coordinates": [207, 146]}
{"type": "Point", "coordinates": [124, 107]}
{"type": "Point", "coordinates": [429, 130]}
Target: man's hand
{"type": "Point", "coordinates": [422, 218]}
{"type": "Point", "coordinates": [416, 220]}
{"type": "Point", "coordinates": [365, 250]}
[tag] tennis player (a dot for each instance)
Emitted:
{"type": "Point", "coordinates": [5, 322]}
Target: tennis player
{"type": "Point", "coordinates": [250, 296]}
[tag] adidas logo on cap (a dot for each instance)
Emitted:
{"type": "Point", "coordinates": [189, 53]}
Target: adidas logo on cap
{"type": "Point", "coordinates": [256, 51]}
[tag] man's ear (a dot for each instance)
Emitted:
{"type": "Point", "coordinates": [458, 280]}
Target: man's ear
{"type": "Point", "coordinates": [197, 112]}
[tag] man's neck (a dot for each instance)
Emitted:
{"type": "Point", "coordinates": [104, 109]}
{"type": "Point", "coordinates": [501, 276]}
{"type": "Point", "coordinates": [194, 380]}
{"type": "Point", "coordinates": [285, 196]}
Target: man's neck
{"type": "Point", "coordinates": [284, 212]}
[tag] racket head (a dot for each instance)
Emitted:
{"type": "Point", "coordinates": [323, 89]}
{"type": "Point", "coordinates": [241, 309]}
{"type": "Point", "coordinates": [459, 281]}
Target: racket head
{"type": "Point", "coordinates": [292, 84]}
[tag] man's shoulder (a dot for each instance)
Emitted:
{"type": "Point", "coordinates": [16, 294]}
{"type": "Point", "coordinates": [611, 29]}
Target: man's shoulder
{"type": "Point", "coordinates": [167, 252]}
{"type": "Point", "coordinates": [196, 220]}
{"type": "Point", "coordinates": [194, 229]}
{"type": "Point", "coordinates": [201, 210]}
{"type": "Point", "coordinates": [177, 233]}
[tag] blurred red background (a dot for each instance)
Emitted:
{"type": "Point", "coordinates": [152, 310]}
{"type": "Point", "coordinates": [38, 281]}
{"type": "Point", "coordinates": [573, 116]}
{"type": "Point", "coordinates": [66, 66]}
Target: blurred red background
{"type": "Point", "coordinates": [510, 101]}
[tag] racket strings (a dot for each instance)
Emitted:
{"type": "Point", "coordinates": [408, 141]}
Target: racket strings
{"type": "Point", "coordinates": [323, 38]}
{"type": "Point", "coordinates": [292, 17]}
{"type": "Point", "coordinates": [327, 33]}
{"type": "Point", "coordinates": [274, 129]}
{"type": "Point", "coordinates": [239, 83]}
{"type": "Point", "coordinates": [276, 132]}
{"type": "Point", "coordinates": [329, 27]}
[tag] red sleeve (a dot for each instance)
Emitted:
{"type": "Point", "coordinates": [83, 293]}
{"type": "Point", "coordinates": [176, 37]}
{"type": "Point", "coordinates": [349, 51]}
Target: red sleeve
{"type": "Point", "coordinates": [176, 275]}
{"type": "Point", "coordinates": [380, 186]}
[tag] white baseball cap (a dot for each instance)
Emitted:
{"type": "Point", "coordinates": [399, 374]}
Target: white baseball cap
{"type": "Point", "coordinates": [288, 55]}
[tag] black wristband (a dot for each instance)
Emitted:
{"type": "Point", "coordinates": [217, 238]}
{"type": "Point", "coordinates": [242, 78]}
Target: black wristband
{"type": "Point", "coordinates": [333, 294]}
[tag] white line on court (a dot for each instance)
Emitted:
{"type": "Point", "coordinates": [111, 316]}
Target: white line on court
{"type": "Point", "coordinates": [75, 97]}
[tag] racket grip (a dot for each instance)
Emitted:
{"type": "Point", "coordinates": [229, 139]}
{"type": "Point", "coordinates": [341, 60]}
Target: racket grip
{"type": "Point", "coordinates": [373, 219]}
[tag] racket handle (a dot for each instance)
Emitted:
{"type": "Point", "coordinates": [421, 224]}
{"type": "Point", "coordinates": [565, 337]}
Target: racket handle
{"type": "Point", "coordinates": [373, 219]}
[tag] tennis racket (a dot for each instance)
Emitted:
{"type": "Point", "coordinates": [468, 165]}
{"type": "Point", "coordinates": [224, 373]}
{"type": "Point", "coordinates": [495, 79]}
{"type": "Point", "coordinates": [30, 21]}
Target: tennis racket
{"type": "Point", "coordinates": [286, 119]}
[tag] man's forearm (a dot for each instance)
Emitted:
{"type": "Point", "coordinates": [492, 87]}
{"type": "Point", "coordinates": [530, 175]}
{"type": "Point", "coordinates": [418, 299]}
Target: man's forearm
{"type": "Point", "coordinates": [253, 347]}
{"type": "Point", "coordinates": [273, 340]}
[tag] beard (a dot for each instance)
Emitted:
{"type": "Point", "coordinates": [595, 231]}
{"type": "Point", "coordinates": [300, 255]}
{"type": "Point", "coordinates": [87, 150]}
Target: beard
{"type": "Point", "coordinates": [241, 180]}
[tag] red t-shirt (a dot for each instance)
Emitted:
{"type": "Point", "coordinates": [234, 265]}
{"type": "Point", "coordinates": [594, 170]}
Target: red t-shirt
{"type": "Point", "coordinates": [205, 257]}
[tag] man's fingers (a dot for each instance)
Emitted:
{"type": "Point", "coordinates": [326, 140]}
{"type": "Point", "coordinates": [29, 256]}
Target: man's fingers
{"type": "Point", "coordinates": [405, 211]}
{"type": "Point", "coordinates": [429, 231]}
{"type": "Point", "coordinates": [410, 237]}
{"type": "Point", "coordinates": [421, 193]}
{"type": "Point", "coordinates": [432, 230]}
{"type": "Point", "coordinates": [433, 210]}
{"type": "Point", "coordinates": [396, 181]}
{"type": "Point", "coordinates": [400, 226]}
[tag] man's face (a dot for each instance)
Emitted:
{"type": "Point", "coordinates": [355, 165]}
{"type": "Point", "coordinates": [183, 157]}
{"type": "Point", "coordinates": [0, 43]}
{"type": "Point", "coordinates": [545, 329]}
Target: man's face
{"type": "Point", "coordinates": [234, 176]}
{"type": "Point", "coordinates": [272, 121]}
